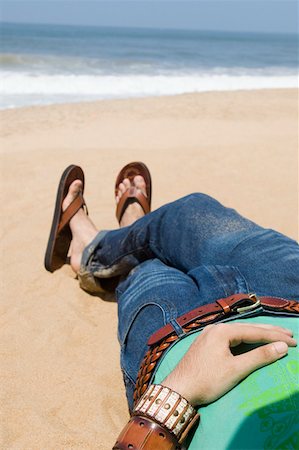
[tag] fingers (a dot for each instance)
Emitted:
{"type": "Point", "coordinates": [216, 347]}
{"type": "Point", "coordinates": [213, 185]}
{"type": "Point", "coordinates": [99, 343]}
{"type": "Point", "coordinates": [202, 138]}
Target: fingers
{"type": "Point", "coordinates": [249, 334]}
{"type": "Point", "coordinates": [259, 357]}
{"type": "Point", "coordinates": [234, 334]}
{"type": "Point", "coordinates": [277, 340]}
{"type": "Point", "coordinates": [266, 326]}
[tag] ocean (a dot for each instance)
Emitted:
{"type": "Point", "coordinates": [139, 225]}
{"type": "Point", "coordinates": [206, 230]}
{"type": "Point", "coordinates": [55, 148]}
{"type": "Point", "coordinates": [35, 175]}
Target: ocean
{"type": "Point", "coordinates": [45, 64]}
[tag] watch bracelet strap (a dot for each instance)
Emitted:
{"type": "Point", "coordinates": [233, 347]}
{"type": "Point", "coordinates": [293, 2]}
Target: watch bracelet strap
{"type": "Point", "coordinates": [161, 420]}
{"type": "Point", "coordinates": [142, 433]}
{"type": "Point", "coordinates": [168, 408]}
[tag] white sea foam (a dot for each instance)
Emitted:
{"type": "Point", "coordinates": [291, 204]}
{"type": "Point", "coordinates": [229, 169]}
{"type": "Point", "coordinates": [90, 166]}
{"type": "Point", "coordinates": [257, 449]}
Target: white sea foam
{"type": "Point", "coordinates": [43, 64]}
{"type": "Point", "coordinates": [21, 89]}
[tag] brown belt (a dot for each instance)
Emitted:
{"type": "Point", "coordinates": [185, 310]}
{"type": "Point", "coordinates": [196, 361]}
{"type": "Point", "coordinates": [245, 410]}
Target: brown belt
{"type": "Point", "coordinates": [222, 309]}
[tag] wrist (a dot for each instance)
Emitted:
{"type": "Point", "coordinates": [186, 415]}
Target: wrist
{"type": "Point", "coordinates": [178, 387]}
{"type": "Point", "coordinates": [181, 385]}
{"type": "Point", "coordinates": [162, 419]}
{"type": "Point", "coordinates": [168, 408]}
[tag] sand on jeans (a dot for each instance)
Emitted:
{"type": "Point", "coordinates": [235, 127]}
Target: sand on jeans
{"type": "Point", "coordinates": [61, 385]}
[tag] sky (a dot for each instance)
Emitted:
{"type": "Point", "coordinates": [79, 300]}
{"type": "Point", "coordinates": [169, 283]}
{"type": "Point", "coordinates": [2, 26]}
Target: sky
{"type": "Point", "coordinates": [280, 16]}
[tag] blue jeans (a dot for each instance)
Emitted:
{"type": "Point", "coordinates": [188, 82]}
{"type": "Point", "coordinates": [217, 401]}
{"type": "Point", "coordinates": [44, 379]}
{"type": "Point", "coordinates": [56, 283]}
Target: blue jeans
{"type": "Point", "coordinates": [183, 255]}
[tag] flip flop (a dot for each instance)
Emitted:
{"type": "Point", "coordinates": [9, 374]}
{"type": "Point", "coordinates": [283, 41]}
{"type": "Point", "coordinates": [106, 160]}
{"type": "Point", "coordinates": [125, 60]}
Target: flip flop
{"type": "Point", "coordinates": [60, 235]}
{"type": "Point", "coordinates": [133, 194]}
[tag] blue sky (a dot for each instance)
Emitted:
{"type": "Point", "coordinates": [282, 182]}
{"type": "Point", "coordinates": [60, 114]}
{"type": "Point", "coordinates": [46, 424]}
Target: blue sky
{"type": "Point", "coordinates": [228, 15]}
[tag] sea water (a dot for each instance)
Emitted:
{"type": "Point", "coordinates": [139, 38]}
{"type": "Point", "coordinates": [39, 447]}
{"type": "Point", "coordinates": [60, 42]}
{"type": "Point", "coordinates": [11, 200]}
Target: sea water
{"type": "Point", "coordinates": [44, 64]}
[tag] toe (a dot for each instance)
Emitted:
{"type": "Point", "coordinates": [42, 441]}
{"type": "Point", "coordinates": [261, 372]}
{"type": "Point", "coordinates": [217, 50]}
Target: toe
{"type": "Point", "coordinates": [140, 183]}
{"type": "Point", "coordinates": [121, 189]}
{"type": "Point", "coordinates": [75, 188]}
{"type": "Point", "coordinates": [127, 183]}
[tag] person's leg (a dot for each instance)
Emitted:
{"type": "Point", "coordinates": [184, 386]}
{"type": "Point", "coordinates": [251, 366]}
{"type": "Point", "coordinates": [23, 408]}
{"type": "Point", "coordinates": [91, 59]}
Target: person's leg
{"type": "Point", "coordinates": [184, 234]}
{"type": "Point", "coordinates": [269, 261]}
{"type": "Point", "coordinates": [199, 236]}
{"type": "Point", "coordinates": [82, 228]}
{"type": "Point", "coordinates": [196, 235]}
{"type": "Point", "coordinates": [150, 297]}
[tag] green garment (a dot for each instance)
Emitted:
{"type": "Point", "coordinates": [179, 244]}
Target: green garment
{"type": "Point", "coordinates": [262, 412]}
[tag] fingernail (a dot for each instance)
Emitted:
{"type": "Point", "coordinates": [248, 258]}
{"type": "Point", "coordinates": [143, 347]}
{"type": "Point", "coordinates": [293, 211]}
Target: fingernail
{"type": "Point", "coordinates": [281, 347]}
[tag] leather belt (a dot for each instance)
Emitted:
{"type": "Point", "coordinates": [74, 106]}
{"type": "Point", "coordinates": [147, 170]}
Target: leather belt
{"type": "Point", "coordinates": [223, 309]}
{"type": "Point", "coordinates": [233, 305]}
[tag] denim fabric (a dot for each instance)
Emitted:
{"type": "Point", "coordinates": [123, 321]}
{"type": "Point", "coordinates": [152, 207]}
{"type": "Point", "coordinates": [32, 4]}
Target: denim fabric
{"type": "Point", "coordinates": [185, 254]}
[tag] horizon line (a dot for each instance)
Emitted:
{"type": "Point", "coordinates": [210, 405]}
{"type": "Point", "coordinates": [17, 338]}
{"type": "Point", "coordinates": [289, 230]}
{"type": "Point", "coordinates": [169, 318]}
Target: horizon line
{"type": "Point", "coordinates": [149, 28]}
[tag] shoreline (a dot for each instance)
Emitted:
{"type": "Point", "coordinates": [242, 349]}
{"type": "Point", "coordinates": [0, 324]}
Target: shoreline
{"type": "Point", "coordinates": [119, 99]}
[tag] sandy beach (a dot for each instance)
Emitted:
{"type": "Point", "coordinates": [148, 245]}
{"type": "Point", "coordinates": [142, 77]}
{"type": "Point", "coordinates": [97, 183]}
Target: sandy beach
{"type": "Point", "coordinates": [61, 381]}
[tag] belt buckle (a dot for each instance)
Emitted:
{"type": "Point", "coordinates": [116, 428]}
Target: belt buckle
{"type": "Point", "coordinates": [248, 308]}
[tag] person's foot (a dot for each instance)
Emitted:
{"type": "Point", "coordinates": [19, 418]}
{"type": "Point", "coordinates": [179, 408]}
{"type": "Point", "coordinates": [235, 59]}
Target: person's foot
{"type": "Point", "coordinates": [134, 210]}
{"type": "Point", "coordinates": [82, 228]}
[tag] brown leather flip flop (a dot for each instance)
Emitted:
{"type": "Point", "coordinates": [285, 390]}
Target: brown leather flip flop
{"type": "Point", "coordinates": [133, 194]}
{"type": "Point", "coordinates": [60, 235]}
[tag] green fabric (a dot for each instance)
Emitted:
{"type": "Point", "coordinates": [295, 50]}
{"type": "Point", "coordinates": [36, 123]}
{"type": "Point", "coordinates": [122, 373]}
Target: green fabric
{"type": "Point", "coordinates": [262, 412]}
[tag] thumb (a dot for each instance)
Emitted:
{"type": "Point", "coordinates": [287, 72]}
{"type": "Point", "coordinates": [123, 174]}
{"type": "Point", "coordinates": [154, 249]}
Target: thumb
{"type": "Point", "coordinates": [260, 357]}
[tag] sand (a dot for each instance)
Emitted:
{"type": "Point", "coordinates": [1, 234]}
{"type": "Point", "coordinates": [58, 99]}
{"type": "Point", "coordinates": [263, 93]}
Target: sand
{"type": "Point", "coordinates": [61, 382]}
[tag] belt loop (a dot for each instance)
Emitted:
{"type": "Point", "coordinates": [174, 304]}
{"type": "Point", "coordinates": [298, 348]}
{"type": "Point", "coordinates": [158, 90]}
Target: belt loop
{"type": "Point", "coordinates": [177, 328]}
{"type": "Point", "coordinates": [224, 305]}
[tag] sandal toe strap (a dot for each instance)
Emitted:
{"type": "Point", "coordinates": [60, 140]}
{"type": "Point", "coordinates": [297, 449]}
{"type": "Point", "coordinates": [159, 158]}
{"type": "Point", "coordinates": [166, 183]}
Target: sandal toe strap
{"type": "Point", "coordinates": [71, 210]}
{"type": "Point", "coordinates": [132, 194]}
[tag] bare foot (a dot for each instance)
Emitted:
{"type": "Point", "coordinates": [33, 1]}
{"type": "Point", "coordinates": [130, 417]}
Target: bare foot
{"type": "Point", "coordinates": [133, 211]}
{"type": "Point", "coordinates": [82, 228]}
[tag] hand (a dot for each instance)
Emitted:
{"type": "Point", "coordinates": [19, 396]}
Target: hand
{"type": "Point", "coordinates": [209, 369]}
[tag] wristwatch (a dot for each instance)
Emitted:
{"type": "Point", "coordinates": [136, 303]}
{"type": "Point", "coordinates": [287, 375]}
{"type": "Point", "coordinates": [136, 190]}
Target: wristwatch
{"type": "Point", "coordinates": [161, 420]}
